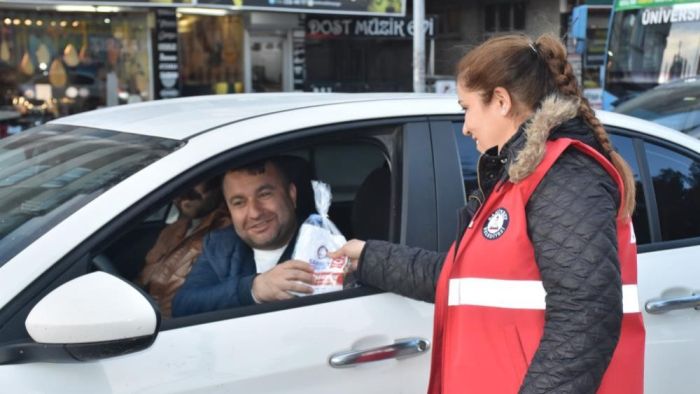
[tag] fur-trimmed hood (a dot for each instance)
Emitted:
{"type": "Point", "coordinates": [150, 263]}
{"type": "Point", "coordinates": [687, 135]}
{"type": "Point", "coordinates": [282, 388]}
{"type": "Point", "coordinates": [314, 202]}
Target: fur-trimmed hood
{"type": "Point", "coordinates": [557, 117]}
{"type": "Point", "coordinates": [554, 111]}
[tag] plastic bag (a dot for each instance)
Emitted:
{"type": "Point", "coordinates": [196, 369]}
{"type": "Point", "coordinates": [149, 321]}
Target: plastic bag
{"type": "Point", "coordinates": [318, 236]}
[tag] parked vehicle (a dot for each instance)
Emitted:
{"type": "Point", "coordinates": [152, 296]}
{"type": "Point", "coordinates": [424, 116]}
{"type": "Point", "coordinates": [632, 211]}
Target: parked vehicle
{"type": "Point", "coordinates": [649, 43]}
{"type": "Point", "coordinates": [84, 197]}
{"type": "Point", "coordinates": [675, 105]}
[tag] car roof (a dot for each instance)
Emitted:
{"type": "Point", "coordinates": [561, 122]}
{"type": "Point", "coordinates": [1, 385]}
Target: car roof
{"type": "Point", "coordinates": [185, 117]}
{"type": "Point", "coordinates": [676, 83]}
{"type": "Point", "coordinates": [612, 119]}
{"type": "Point", "coordinates": [669, 97]}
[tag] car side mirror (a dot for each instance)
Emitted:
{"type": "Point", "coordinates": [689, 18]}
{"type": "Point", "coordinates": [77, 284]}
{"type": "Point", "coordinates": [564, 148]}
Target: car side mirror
{"type": "Point", "coordinates": [91, 317]}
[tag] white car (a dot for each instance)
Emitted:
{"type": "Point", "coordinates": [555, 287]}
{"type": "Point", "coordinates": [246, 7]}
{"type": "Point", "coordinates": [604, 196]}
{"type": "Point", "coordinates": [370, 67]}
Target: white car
{"type": "Point", "coordinates": [88, 194]}
{"type": "Point", "coordinates": [675, 104]}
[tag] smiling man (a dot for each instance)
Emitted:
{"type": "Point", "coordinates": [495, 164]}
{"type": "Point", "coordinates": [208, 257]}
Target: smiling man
{"type": "Point", "coordinates": [248, 262]}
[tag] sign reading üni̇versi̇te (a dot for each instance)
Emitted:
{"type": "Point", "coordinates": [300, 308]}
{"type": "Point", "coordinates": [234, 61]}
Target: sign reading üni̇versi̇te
{"type": "Point", "coordinates": [635, 4]}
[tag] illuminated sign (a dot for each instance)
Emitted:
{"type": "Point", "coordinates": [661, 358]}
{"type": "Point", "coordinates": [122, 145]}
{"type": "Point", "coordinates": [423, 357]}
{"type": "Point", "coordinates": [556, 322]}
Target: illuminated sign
{"type": "Point", "coordinates": [356, 7]}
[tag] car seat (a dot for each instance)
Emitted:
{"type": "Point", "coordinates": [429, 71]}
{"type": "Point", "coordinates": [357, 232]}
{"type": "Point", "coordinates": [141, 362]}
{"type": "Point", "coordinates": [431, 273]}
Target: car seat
{"type": "Point", "coordinates": [300, 173]}
{"type": "Point", "coordinates": [370, 211]}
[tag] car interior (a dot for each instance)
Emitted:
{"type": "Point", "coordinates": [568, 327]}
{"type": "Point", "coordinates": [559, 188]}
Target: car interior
{"type": "Point", "coordinates": [357, 171]}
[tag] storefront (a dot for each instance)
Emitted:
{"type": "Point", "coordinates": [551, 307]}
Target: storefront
{"type": "Point", "coordinates": [211, 50]}
{"type": "Point", "coordinates": [586, 48]}
{"type": "Point", "coordinates": [63, 57]}
{"type": "Point", "coordinates": [57, 62]}
{"type": "Point", "coordinates": [362, 54]}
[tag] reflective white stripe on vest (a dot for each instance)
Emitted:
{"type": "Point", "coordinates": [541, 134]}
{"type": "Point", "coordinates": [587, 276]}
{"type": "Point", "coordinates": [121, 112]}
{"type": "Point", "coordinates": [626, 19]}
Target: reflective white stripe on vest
{"type": "Point", "coordinates": [516, 294]}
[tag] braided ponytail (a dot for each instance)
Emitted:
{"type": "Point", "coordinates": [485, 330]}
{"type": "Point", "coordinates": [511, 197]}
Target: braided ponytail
{"type": "Point", "coordinates": [531, 72]}
{"type": "Point", "coordinates": [554, 55]}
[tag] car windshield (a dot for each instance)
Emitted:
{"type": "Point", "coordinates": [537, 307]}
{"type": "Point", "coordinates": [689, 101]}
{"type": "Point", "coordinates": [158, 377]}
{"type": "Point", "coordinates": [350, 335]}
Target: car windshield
{"type": "Point", "coordinates": [49, 172]}
{"type": "Point", "coordinates": [675, 105]}
{"type": "Point", "coordinates": [652, 45]}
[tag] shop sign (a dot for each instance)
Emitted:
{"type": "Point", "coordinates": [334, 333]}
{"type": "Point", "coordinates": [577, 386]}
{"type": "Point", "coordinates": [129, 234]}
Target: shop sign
{"type": "Point", "coordinates": [166, 61]}
{"type": "Point", "coordinates": [344, 7]}
{"type": "Point", "coordinates": [356, 7]}
{"type": "Point", "coordinates": [298, 59]}
{"type": "Point", "coordinates": [373, 27]}
{"type": "Point", "coordinates": [666, 15]}
{"type": "Point", "coordinates": [621, 5]}
{"type": "Point", "coordinates": [118, 2]}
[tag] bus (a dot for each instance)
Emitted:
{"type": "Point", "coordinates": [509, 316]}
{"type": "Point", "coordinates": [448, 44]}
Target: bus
{"type": "Point", "coordinates": [650, 42]}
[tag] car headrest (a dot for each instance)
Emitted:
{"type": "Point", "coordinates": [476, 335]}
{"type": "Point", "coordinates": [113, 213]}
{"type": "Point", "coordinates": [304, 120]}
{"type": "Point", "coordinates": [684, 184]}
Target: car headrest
{"type": "Point", "coordinates": [300, 173]}
{"type": "Point", "coordinates": [370, 211]}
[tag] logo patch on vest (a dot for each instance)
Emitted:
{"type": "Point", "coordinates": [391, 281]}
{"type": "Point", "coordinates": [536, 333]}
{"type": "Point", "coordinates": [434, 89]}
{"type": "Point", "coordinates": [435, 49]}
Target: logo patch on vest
{"type": "Point", "coordinates": [496, 225]}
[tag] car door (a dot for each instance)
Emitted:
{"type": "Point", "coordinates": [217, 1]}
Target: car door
{"type": "Point", "coordinates": [667, 224]}
{"type": "Point", "coordinates": [283, 351]}
{"type": "Point", "coordinates": [667, 229]}
{"type": "Point", "coordinates": [380, 341]}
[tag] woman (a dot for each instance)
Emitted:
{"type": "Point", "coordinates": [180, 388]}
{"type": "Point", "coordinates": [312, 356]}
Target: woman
{"type": "Point", "coordinates": [530, 297]}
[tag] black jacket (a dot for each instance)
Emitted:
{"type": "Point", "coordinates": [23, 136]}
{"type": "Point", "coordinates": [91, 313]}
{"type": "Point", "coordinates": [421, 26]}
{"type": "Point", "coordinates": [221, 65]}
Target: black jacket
{"type": "Point", "coordinates": [571, 222]}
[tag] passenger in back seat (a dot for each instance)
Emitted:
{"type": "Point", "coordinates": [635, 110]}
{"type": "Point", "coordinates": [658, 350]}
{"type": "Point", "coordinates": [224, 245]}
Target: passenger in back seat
{"type": "Point", "coordinates": [180, 243]}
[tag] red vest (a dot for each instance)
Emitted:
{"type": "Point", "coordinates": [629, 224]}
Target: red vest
{"type": "Point", "coordinates": [489, 304]}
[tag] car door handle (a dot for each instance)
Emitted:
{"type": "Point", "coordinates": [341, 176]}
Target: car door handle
{"type": "Point", "coordinates": [401, 348]}
{"type": "Point", "coordinates": [663, 306]}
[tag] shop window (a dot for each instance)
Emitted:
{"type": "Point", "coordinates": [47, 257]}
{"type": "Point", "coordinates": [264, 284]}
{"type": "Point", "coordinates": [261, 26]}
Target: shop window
{"type": "Point", "coordinates": [490, 18]}
{"type": "Point", "coordinates": [266, 59]}
{"type": "Point", "coordinates": [449, 17]}
{"type": "Point", "coordinates": [503, 17]}
{"type": "Point", "coordinates": [56, 64]}
{"type": "Point", "coordinates": [211, 54]}
{"type": "Point", "coordinates": [359, 65]}
{"type": "Point", "coordinates": [518, 16]}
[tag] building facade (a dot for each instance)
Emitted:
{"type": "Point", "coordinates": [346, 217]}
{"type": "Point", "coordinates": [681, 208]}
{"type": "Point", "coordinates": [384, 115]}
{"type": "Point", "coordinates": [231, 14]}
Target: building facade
{"type": "Point", "coordinates": [63, 57]}
{"type": "Point", "coordinates": [464, 24]}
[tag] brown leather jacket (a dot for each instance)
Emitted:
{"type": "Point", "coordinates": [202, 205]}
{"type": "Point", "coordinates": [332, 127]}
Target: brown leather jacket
{"type": "Point", "coordinates": [171, 258]}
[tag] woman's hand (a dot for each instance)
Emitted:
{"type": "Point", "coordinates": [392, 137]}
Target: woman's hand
{"type": "Point", "coordinates": [352, 250]}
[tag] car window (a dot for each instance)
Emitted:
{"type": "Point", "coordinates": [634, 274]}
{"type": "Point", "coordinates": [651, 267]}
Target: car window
{"type": "Point", "coordinates": [351, 184]}
{"type": "Point", "coordinates": [676, 180]}
{"type": "Point", "coordinates": [468, 157]}
{"type": "Point", "coordinates": [625, 147]}
{"type": "Point", "coordinates": [49, 172]}
{"type": "Point", "coordinates": [329, 165]}
{"type": "Point", "coordinates": [159, 258]}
